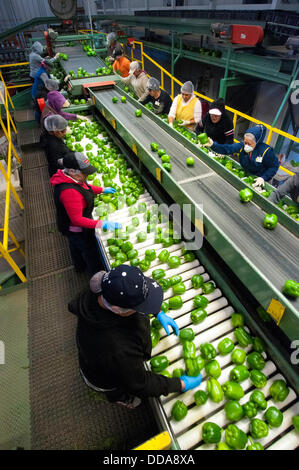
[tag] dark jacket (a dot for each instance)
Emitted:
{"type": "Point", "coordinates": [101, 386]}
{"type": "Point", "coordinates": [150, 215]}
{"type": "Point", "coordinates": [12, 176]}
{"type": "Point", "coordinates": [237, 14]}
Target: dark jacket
{"type": "Point", "coordinates": [261, 162]}
{"type": "Point", "coordinates": [55, 149]}
{"type": "Point", "coordinates": [112, 349]}
{"type": "Point", "coordinates": [223, 131]}
{"type": "Point", "coordinates": [162, 104]}
{"type": "Point", "coordinates": [289, 188]}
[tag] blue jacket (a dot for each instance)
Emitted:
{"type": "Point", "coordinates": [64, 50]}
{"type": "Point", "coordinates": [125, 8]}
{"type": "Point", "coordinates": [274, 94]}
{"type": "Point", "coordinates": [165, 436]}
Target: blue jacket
{"type": "Point", "coordinates": [38, 86]}
{"type": "Point", "coordinates": [261, 162]}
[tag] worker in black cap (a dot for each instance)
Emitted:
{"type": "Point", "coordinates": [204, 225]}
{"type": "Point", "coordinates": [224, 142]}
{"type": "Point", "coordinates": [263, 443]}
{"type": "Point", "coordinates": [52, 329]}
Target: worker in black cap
{"type": "Point", "coordinates": [217, 124]}
{"type": "Point", "coordinates": [113, 337]}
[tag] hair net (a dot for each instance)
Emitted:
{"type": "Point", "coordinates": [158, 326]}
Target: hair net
{"type": "Point", "coordinates": [111, 37]}
{"type": "Point", "coordinates": [55, 122]}
{"type": "Point", "coordinates": [134, 66]}
{"type": "Point", "coordinates": [153, 84]}
{"type": "Point", "coordinates": [187, 88]}
{"type": "Point", "coordinates": [51, 85]}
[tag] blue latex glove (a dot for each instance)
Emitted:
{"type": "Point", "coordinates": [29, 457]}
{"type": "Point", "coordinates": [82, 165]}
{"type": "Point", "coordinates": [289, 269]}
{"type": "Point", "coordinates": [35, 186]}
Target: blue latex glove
{"type": "Point", "coordinates": [107, 225]}
{"type": "Point", "coordinates": [109, 191]}
{"type": "Point", "coordinates": [167, 321]}
{"type": "Point", "coordinates": [191, 382]}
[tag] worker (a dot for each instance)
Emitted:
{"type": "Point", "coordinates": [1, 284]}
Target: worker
{"type": "Point", "coordinates": [36, 58]}
{"type": "Point", "coordinates": [121, 64]}
{"type": "Point", "coordinates": [55, 104]}
{"type": "Point", "coordinates": [216, 124]}
{"type": "Point", "coordinates": [74, 200]}
{"type": "Point", "coordinates": [55, 127]}
{"type": "Point", "coordinates": [114, 340]}
{"type": "Point", "coordinates": [160, 98]}
{"type": "Point", "coordinates": [256, 157]}
{"type": "Point", "coordinates": [42, 85]}
{"type": "Point", "coordinates": [186, 108]}
{"type": "Point", "coordinates": [111, 45]}
{"type": "Point", "coordinates": [289, 188]}
{"type": "Point", "coordinates": [138, 80]}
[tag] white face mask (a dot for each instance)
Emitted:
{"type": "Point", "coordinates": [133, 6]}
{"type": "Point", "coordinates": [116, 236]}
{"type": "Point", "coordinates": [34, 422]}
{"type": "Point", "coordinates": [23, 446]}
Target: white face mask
{"type": "Point", "coordinates": [248, 148]}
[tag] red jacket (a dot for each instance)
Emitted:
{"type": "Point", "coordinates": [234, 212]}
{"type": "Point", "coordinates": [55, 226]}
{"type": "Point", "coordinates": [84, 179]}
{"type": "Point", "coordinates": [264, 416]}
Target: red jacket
{"type": "Point", "coordinates": [74, 203]}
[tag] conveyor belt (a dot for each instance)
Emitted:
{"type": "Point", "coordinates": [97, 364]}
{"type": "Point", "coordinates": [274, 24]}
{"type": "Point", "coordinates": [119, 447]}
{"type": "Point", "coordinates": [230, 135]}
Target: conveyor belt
{"type": "Point", "coordinates": [78, 58]}
{"type": "Point", "coordinates": [273, 254]}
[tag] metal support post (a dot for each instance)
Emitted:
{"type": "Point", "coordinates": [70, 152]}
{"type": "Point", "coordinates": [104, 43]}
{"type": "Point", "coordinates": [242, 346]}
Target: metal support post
{"type": "Point", "coordinates": [223, 81]}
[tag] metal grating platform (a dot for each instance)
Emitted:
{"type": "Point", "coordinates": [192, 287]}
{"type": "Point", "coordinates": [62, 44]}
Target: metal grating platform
{"type": "Point", "coordinates": [28, 136]}
{"type": "Point", "coordinates": [33, 159]}
{"type": "Point", "coordinates": [23, 115]}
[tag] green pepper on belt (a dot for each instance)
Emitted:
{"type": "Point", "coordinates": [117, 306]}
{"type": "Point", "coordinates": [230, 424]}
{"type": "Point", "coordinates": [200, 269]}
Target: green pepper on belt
{"type": "Point", "coordinates": [213, 369]}
{"type": "Point", "coordinates": [165, 284]}
{"type": "Point", "coordinates": [245, 195]}
{"type": "Point", "coordinates": [179, 410]}
{"type": "Point", "coordinates": [237, 319]}
{"type": "Point", "coordinates": [166, 373]}
{"type": "Point", "coordinates": [238, 356]}
{"type": "Point", "coordinates": [159, 363]}
{"type": "Point", "coordinates": [235, 437]}
{"type": "Point", "coordinates": [189, 256]}
{"type": "Point", "coordinates": [200, 301]}
{"type": "Point", "coordinates": [175, 302]}
{"type": "Point", "coordinates": [295, 423]}
{"type": "Point", "coordinates": [258, 344]}
{"type": "Point", "coordinates": [208, 351]}
{"type": "Point", "coordinates": [191, 366]}
{"type": "Point", "coordinates": [155, 337]}
{"type": "Point", "coordinates": [163, 256]}
{"type": "Point", "coordinates": [197, 281]}
{"type": "Point", "coordinates": [279, 390]}
{"type": "Point", "coordinates": [211, 433]}
{"type": "Point", "coordinates": [223, 446]}
{"type": "Point", "coordinates": [233, 410]}
{"type": "Point", "coordinates": [156, 324]}
{"type": "Point", "coordinates": [225, 346]}
{"type": "Point", "coordinates": [178, 372]}
{"type": "Point", "coordinates": [189, 350]}
{"type": "Point", "coordinates": [179, 288]}
{"type": "Point", "coordinates": [258, 398]}
{"type": "Point", "coordinates": [258, 428]}
{"type": "Point", "coordinates": [239, 373]}
{"type": "Point", "coordinates": [233, 390]}
{"type": "Point", "coordinates": [250, 409]}
{"type": "Point", "coordinates": [186, 334]}
{"type": "Point", "coordinates": [158, 274]}
{"type": "Point", "coordinates": [254, 445]}
{"type": "Point", "coordinates": [175, 280]}
{"type": "Point", "coordinates": [200, 362]}
{"type": "Point", "coordinates": [270, 221]}
{"type": "Point", "coordinates": [258, 378]}
{"type": "Point", "coordinates": [208, 288]}
{"type": "Point", "coordinates": [198, 315]}
{"type": "Point", "coordinates": [150, 254]}
{"type": "Point", "coordinates": [174, 261]}
{"type": "Point", "coordinates": [291, 288]}
{"type": "Point", "coordinates": [164, 307]}
{"type": "Point", "coordinates": [256, 361]}
{"type": "Point", "coordinates": [274, 417]}
{"type": "Point", "coordinates": [200, 397]}
{"type": "Point", "coordinates": [214, 390]}
{"type": "Point", "coordinates": [243, 338]}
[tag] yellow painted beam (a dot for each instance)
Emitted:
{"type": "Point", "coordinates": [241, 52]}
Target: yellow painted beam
{"type": "Point", "coordinates": [160, 442]}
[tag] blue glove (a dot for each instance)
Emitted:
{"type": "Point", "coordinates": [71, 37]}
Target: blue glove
{"type": "Point", "coordinates": [107, 225]}
{"type": "Point", "coordinates": [191, 382]}
{"type": "Point", "coordinates": [109, 191]}
{"type": "Point", "coordinates": [166, 321]}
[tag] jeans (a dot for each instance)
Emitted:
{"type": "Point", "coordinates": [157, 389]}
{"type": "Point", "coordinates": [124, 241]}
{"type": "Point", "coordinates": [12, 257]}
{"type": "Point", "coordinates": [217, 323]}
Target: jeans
{"type": "Point", "coordinates": [85, 252]}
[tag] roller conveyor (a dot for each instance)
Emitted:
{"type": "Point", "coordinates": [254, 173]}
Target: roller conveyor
{"type": "Point", "coordinates": [262, 259]}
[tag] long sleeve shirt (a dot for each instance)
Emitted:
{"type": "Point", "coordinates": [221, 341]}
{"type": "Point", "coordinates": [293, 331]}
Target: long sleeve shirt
{"type": "Point", "coordinates": [197, 109]}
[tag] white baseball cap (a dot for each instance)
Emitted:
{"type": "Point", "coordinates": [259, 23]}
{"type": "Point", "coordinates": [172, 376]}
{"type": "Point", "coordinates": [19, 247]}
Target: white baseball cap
{"type": "Point", "coordinates": [215, 111]}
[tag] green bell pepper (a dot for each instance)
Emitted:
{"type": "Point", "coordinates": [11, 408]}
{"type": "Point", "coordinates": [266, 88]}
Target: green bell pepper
{"type": "Point", "coordinates": [250, 409]}
{"type": "Point", "coordinates": [179, 288]}
{"type": "Point", "coordinates": [113, 250]}
{"type": "Point", "coordinates": [245, 195]}
{"type": "Point", "coordinates": [161, 152]}
{"type": "Point", "coordinates": [141, 237]}
{"type": "Point", "coordinates": [274, 417]}
{"type": "Point", "coordinates": [165, 284]}
{"type": "Point", "coordinates": [200, 301]}
{"type": "Point", "coordinates": [239, 374]}
{"type": "Point", "coordinates": [159, 363]}
{"type": "Point", "coordinates": [155, 337]}
{"type": "Point", "coordinates": [237, 319]}
{"type": "Point", "coordinates": [144, 265]}
{"type": "Point", "coordinates": [198, 315]}
{"type": "Point", "coordinates": [200, 397]}
{"type": "Point", "coordinates": [200, 362]}
{"type": "Point", "coordinates": [189, 350]}
{"type": "Point", "coordinates": [197, 281]}
{"type": "Point", "coordinates": [243, 338]}
{"type": "Point", "coordinates": [211, 433]}
{"type": "Point", "coordinates": [121, 257]}
{"type": "Point", "coordinates": [166, 373]}
{"type": "Point", "coordinates": [175, 280]}
{"type": "Point", "coordinates": [295, 422]}
{"type": "Point", "coordinates": [150, 254]}
{"type": "Point", "coordinates": [254, 445]}
{"type": "Point", "coordinates": [233, 390]}
{"type": "Point", "coordinates": [238, 356]}
{"type": "Point", "coordinates": [154, 146]}
{"type": "Point", "coordinates": [165, 158]}
{"type": "Point", "coordinates": [223, 446]}
{"type": "Point", "coordinates": [225, 346]}
{"type": "Point", "coordinates": [191, 366]}
{"type": "Point", "coordinates": [208, 288]}
{"type": "Point", "coordinates": [163, 256]}
{"type": "Point", "coordinates": [138, 113]}
{"type": "Point", "coordinates": [132, 254]}
{"type": "Point", "coordinates": [135, 262]}
{"type": "Point", "coordinates": [279, 390]}
{"type": "Point", "coordinates": [258, 344]}
{"type": "Point", "coordinates": [186, 334]}
{"type": "Point", "coordinates": [291, 288]}
{"type": "Point", "coordinates": [213, 369]}
{"type": "Point", "coordinates": [214, 390]}
{"type": "Point", "coordinates": [189, 257]}
{"type": "Point", "coordinates": [258, 428]}
{"type": "Point", "coordinates": [164, 307]}
{"type": "Point", "coordinates": [167, 166]}
{"type": "Point", "coordinates": [174, 262]}
{"type": "Point", "coordinates": [235, 437]}
{"type": "Point", "coordinates": [135, 221]}
{"type": "Point", "coordinates": [175, 302]}
{"type": "Point", "coordinates": [270, 221]}
{"type": "Point", "coordinates": [203, 138]}
{"type": "Point", "coordinates": [256, 361]}
{"type": "Point", "coordinates": [208, 351]}
{"type": "Point", "coordinates": [258, 379]}
{"type": "Point", "coordinates": [179, 410]}
{"type": "Point", "coordinates": [178, 372]}
{"type": "Point", "coordinates": [233, 410]}
{"type": "Point", "coordinates": [156, 324]}
{"type": "Point", "coordinates": [158, 274]}
{"type": "Point", "coordinates": [258, 398]}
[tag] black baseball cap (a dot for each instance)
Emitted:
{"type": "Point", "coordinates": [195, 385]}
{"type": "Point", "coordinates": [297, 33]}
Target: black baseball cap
{"type": "Point", "coordinates": [127, 287]}
{"type": "Point", "coordinates": [78, 161]}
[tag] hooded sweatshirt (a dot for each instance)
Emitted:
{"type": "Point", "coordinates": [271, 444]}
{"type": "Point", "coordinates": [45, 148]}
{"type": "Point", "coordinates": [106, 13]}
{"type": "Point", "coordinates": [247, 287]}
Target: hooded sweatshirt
{"type": "Point", "coordinates": [289, 188]}
{"type": "Point", "coordinates": [261, 162]}
{"type": "Point", "coordinates": [112, 349]}
{"type": "Point", "coordinates": [55, 101]}
{"type": "Point", "coordinates": [223, 131]}
{"type": "Point", "coordinates": [35, 58]}
{"type": "Point", "coordinates": [74, 202]}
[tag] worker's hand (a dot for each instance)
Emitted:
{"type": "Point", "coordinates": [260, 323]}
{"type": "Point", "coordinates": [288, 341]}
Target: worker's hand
{"type": "Point", "coordinates": [110, 59]}
{"type": "Point", "coordinates": [170, 124]}
{"type": "Point", "coordinates": [109, 191]}
{"type": "Point", "coordinates": [66, 78]}
{"type": "Point", "coordinates": [190, 382]}
{"type": "Point", "coordinates": [209, 143]}
{"type": "Point", "coordinates": [83, 118]}
{"type": "Point", "coordinates": [184, 123]}
{"type": "Point", "coordinates": [56, 55]}
{"type": "Point", "coordinates": [108, 225]}
{"type": "Point", "coordinates": [167, 321]}
{"type": "Point", "coordinates": [259, 182]}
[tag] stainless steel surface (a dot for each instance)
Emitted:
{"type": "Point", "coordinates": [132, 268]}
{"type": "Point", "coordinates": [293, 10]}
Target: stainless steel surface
{"type": "Point", "coordinates": [78, 58]}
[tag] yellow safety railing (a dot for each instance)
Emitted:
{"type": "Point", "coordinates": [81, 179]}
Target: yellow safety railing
{"type": "Point", "coordinates": [5, 251]}
{"type": "Point", "coordinates": [235, 112]}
